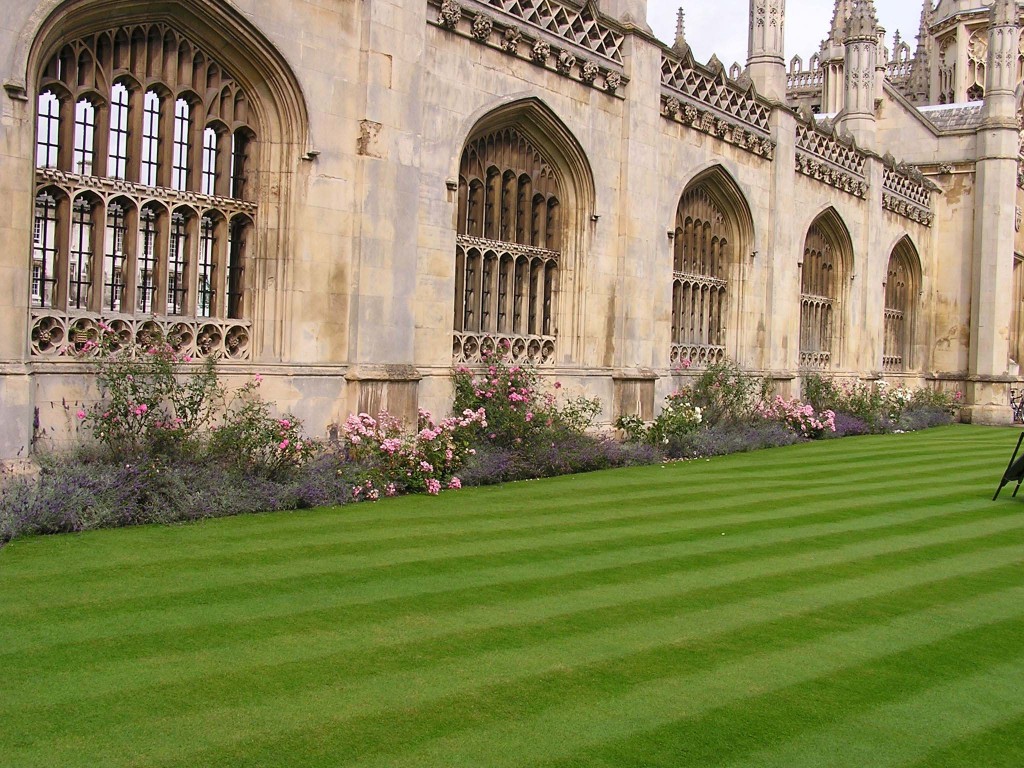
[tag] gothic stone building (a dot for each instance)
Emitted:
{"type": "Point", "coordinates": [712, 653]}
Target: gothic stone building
{"type": "Point", "coordinates": [349, 198]}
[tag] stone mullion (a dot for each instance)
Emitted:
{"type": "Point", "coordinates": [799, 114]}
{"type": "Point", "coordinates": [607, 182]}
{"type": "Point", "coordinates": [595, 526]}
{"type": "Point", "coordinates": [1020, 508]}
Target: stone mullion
{"type": "Point", "coordinates": [196, 147]}
{"type": "Point", "coordinates": [222, 166]}
{"type": "Point", "coordinates": [136, 115]}
{"type": "Point", "coordinates": [97, 244]}
{"type": "Point", "coordinates": [66, 134]}
{"type": "Point", "coordinates": [128, 264]}
{"type": "Point", "coordinates": [62, 243]}
{"type": "Point", "coordinates": [165, 143]}
{"type": "Point", "coordinates": [101, 138]}
{"type": "Point", "coordinates": [161, 252]}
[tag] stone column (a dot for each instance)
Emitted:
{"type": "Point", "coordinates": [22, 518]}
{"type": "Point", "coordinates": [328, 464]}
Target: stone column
{"type": "Point", "coordinates": [995, 201]}
{"type": "Point", "coordinates": [766, 63]}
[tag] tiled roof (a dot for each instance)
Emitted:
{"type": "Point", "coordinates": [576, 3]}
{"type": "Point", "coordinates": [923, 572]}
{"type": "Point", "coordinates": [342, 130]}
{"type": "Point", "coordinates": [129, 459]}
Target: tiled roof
{"type": "Point", "coordinates": [953, 117]}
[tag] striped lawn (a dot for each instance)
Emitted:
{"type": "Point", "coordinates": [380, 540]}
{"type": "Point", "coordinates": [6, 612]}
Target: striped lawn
{"type": "Point", "coordinates": [850, 603]}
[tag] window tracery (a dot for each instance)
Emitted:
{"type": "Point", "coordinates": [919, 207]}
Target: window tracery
{"type": "Point", "coordinates": [143, 206]}
{"type": "Point", "coordinates": [703, 249]}
{"type": "Point", "coordinates": [507, 249]}
{"type": "Point", "coordinates": [820, 292]}
{"type": "Point", "coordinates": [898, 312]}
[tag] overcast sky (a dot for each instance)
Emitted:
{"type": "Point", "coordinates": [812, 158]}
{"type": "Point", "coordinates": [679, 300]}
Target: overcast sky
{"type": "Point", "coordinates": [720, 26]}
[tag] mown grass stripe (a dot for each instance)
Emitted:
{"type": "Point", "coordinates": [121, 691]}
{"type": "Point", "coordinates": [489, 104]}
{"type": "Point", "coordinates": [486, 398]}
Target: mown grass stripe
{"type": "Point", "coordinates": [573, 726]}
{"type": "Point", "coordinates": [407, 688]}
{"type": "Point", "coordinates": [903, 732]}
{"type": "Point", "coordinates": [15, 638]}
{"type": "Point", "coordinates": [440, 625]}
{"type": "Point", "coordinates": [440, 631]}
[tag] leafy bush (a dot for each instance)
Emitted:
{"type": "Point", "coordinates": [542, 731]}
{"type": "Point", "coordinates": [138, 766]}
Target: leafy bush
{"type": "Point", "coordinates": [254, 442]}
{"type": "Point", "coordinates": [725, 392]}
{"type": "Point", "coordinates": [876, 405]}
{"type": "Point", "coordinates": [798, 416]}
{"type": "Point", "coordinates": [148, 403]}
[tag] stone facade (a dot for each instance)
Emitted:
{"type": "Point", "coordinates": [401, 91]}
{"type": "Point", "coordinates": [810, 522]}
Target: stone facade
{"type": "Point", "coordinates": [348, 198]}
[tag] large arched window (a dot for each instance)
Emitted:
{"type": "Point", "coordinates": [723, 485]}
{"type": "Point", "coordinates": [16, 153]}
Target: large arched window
{"type": "Point", "coordinates": [703, 251]}
{"type": "Point", "coordinates": [144, 151]}
{"type": "Point", "coordinates": [900, 302]}
{"type": "Point", "coordinates": [822, 288]}
{"type": "Point", "coordinates": [508, 249]}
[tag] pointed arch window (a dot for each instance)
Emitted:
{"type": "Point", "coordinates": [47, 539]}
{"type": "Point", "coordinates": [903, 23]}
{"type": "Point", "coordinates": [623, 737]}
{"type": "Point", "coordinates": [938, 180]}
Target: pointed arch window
{"type": "Point", "coordinates": [141, 104]}
{"type": "Point", "coordinates": [507, 249]}
{"type": "Point", "coordinates": [898, 314]}
{"type": "Point", "coordinates": [821, 276]}
{"type": "Point", "coordinates": [702, 251]}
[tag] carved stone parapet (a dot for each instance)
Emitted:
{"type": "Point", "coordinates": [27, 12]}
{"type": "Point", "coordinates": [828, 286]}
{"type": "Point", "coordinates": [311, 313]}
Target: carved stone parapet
{"type": "Point", "coordinates": [684, 78]}
{"type": "Point", "coordinates": [566, 21]}
{"type": "Point", "coordinates": [567, 54]}
{"type": "Point", "coordinates": [469, 348]}
{"type": "Point", "coordinates": [827, 146]}
{"type": "Point", "coordinates": [706, 121]}
{"type": "Point", "coordinates": [907, 192]}
{"type": "Point", "coordinates": [54, 335]}
{"type": "Point", "coordinates": [698, 356]}
{"type": "Point", "coordinates": [821, 170]}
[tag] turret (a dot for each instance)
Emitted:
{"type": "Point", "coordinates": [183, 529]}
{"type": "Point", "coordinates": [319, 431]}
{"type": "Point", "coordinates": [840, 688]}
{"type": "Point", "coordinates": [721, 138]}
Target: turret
{"type": "Point", "coordinates": [766, 63]}
{"type": "Point", "coordinates": [861, 59]}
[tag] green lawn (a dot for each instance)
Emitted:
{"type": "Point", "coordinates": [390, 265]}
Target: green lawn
{"type": "Point", "coordinates": [853, 603]}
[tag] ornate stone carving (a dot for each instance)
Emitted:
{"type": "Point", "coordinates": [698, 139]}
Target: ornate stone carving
{"type": "Point", "coordinates": [541, 51]}
{"type": "Point", "coordinates": [450, 14]}
{"type": "Point", "coordinates": [511, 39]}
{"type": "Point", "coordinates": [57, 334]}
{"type": "Point", "coordinates": [672, 107]}
{"type": "Point", "coordinates": [565, 62]}
{"type": "Point", "coordinates": [482, 26]}
{"type": "Point", "coordinates": [589, 71]}
{"type": "Point", "coordinates": [612, 81]}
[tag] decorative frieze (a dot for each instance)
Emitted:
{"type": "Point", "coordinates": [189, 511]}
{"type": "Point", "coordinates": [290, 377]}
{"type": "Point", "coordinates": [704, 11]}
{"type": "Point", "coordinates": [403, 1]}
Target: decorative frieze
{"type": "Point", "coordinates": [583, 37]}
{"type": "Point", "coordinates": [57, 334]}
{"type": "Point", "coordinates": [905, 191]}
{"type": "Point", "coordinates": [830, 160]}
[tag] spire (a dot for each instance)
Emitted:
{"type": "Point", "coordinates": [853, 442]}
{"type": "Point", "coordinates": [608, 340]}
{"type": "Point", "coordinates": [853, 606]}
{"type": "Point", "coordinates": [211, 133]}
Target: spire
{"type": "Point", "coordinates": [680, 27]}
{"type": "Point", "coordinates": [863, 21]}
{"type": "Point", "coordinates": [842, 12]}
{"type": "Point", "coordinates": [920, 75]}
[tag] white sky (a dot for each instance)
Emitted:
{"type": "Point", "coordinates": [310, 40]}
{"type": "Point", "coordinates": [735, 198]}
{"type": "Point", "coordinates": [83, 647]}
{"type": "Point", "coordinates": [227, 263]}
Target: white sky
{"type": "Point", "coordinates": [720, 26]}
